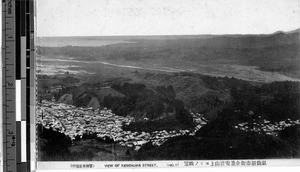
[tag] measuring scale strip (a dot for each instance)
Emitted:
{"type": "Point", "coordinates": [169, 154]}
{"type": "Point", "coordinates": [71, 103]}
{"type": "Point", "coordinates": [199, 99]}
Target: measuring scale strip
{"type": "Point", "coordinates": [18, 83]}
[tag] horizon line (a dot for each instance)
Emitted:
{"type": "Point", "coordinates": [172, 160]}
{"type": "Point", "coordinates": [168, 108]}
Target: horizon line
{"type": "Point", "coordinates": [230, 34]}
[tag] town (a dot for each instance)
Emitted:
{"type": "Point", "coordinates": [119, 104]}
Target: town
{"type": "Point", "coordinates": [266, 127]}
{"type": "Point", "coordinates": [76, 121]}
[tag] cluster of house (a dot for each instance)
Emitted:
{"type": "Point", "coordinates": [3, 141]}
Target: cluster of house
{"type": "Point", "coordinates": [74, 121]}
{"type": "Point", "coordinates": [266, 126]}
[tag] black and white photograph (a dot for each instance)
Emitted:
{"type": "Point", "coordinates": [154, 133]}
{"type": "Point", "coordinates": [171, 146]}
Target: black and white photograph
{"type": "Point", "coordinates": [141, 80]}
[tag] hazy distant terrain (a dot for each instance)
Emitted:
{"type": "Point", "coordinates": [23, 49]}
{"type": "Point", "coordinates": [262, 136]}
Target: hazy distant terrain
{"type": "Point", "coordinates": [201, 97]}
{"type": "Point", "coordinates": [252, 57]}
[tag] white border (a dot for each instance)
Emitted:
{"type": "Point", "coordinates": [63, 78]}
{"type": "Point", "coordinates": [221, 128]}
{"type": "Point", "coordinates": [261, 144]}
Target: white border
{"type": "Point", "coordinates": [75, 165]}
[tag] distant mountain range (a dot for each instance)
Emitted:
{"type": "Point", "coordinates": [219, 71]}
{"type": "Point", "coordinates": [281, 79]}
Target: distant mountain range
{"type": "Point", "coordinates": [200, 36]}
{"type": "Point", "coordinates": [278, 38]}
{"type": "Point", "coordinates": [256, 41]}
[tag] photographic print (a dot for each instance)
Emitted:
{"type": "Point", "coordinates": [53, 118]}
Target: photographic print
{"type": "Point", "coordinates": [138, 80]}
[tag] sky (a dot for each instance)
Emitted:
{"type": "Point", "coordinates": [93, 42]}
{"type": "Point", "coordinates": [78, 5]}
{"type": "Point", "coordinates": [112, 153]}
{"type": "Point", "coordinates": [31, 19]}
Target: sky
{"type": "Point", "coordinates": [165, 17]}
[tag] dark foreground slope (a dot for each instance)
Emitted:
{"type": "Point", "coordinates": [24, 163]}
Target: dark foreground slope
{"type": "Point", "coordinates": [221, 139]}
{"type": "Point", "coordinates": [55, 146]}
{"type": "Point", "coordinates": [237, 145]}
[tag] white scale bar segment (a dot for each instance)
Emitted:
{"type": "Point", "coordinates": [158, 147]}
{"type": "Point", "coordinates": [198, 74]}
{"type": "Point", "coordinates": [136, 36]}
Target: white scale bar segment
{"type": "Point", "coordinates": [18, 100]}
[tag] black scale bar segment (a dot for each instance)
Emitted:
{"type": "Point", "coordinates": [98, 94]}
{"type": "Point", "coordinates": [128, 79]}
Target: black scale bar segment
{"type": "Point", "coordinates": [18, 39]}
{"type": "Point", "coordinates": [18, 135]}
{"type": "Point", "coordinates": [23, 17]}
{"type": "Point", "coordinates": [28, 6]}
{"type": "Point", "coordinates": [27, 56]}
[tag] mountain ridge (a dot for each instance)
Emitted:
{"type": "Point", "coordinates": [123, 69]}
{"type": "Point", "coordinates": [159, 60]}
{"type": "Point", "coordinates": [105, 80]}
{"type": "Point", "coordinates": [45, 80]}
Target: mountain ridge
{"type": "Point", "coordinates": [187, 35]}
